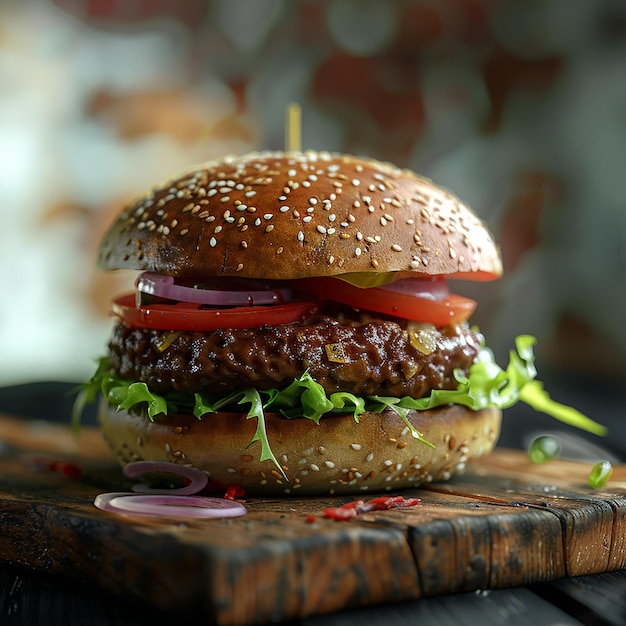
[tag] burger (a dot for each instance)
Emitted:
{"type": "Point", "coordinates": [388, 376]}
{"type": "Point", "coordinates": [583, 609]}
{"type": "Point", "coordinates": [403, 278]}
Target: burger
{"type": "Point", "coordinates": [292, 330]}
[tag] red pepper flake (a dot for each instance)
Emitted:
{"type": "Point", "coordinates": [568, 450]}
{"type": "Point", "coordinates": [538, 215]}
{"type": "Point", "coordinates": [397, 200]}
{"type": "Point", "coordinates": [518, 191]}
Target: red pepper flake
{"type": "Point", "coordinates": [226, 491]}
{"type": "Point", "coordinates": [384, 503]}
{"type": "Point", "coordinates": [310, 519]}
{"type": "Point", "coordinates": [47, 464]}
{"type": "Point", "coordinates": [234, 491]}
{"type": "Point", "coordinates": [71, 470]}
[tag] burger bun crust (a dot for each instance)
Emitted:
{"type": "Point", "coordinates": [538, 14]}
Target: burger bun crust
{"type": "Point", "coordinates": [336, 456]}
{"type": "Point", "coordinates": [278, 215]}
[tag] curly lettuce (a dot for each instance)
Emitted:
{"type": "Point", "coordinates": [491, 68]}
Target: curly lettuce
{"type": "Point", "coordinates": [486, 385]}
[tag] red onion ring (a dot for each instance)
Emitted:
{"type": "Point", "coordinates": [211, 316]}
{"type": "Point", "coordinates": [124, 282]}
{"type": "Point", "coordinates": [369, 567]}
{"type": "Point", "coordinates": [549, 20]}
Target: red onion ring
{"type": "Point", "coordinates": [164, 286]}
{"type": "Point", "coordinates": [197, 480]}
{"type": "Point", "coordinates": [125, 503]}
{"type": "Point", "coordinates": [428, 288]}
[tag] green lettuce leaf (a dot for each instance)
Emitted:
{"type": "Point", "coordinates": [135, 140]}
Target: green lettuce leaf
{"type": "Point", "coordinates": [486, 385]}
{"type": "Point", "coordinates": [253, 398]}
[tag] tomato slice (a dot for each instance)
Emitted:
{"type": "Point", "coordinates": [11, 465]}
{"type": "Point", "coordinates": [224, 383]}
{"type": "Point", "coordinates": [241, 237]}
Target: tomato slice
{"type": "Point", "coordinates": [440, 309]}
{"type": "Point", "coordinates": [189, 316]}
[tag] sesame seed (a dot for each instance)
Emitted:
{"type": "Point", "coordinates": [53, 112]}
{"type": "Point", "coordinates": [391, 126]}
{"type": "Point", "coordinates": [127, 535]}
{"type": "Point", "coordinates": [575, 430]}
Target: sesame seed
{"type": "Point", "coordinates": [313, 201]}
{"type": "Point", "coordinates": [306, 183]}
{"type": "Point", "coordinates": [396, 248]}
{"type": "Point", "coordinates": [314, 467]}
{"type": "Point", "coordinates": [307, 219]}
{"type": "Point", "coordinates": [355, 446]}
{"type": "Point", "coordinates": [356, 182]}
{"type": "Point", "coordinates": [250, 193]}
{"type": "Point", "coordinates": [284, 209]}
{"type": "Point", "coordinates": [224, 198]}
{"type": "Point", "coordinates": [321, 229]}
{"type": "Point", "coordinates": [329, 464]}
{"type": "Point", "coordinates": [282, 198]}
{"type": "Point", "coordinates": [357, 252]}
{"type": "Point", "coordinates": [257, 221]}
{"type": "Point", "coordinates": [218, 229]}
{"type": "Point", "coordinates": [269, 228]}
{"type": "Point", "coordinates": [268, 216]}
{"type": "Point", "coordinates": [212, 242]}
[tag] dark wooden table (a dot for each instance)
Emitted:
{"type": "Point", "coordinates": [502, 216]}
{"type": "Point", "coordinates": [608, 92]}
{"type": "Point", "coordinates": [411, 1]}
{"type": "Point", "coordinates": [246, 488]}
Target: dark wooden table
{"type": "Point", "coordinates": [29, 597]}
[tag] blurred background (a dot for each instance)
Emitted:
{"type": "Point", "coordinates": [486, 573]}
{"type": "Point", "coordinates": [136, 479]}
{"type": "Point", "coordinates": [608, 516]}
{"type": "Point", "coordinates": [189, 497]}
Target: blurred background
{"type": "Point", "coordinates": [518, 106]}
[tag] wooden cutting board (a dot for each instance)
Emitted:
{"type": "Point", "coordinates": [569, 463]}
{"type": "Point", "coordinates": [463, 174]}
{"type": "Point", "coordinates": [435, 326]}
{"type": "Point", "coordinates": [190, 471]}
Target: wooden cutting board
{"type": "Point", "coordinates": [505, 522]}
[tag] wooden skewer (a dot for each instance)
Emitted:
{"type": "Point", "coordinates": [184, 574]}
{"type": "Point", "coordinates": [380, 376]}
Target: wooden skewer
{"type": "Point", "coordinates": [292, 131]}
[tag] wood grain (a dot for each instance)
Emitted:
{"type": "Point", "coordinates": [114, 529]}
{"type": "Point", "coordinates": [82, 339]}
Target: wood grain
{"type": "Point", "coordinates": [505, 523]}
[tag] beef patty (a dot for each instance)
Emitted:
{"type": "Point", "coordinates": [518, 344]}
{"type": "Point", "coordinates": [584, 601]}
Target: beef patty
{"type": "Point", "coordinates": [362, 354]}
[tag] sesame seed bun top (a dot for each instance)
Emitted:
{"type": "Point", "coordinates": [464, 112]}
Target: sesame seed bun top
{"type": "Point", "coordinates": [282, 215]}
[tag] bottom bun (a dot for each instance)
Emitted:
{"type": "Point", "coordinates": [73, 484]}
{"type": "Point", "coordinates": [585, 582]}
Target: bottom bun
{"type": "Point", "coordinates": [338, 456]}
